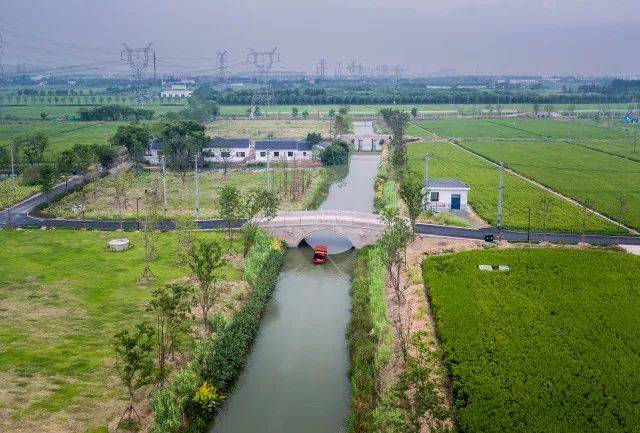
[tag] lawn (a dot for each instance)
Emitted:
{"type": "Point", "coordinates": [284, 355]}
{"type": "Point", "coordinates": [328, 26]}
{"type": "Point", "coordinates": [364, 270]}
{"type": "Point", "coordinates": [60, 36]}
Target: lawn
{"type": "Point", "coordinates": [259, 128]}
{"type": "Point", "coordinates": [448, 161]}
{"type": "Point", "coordinates": [607, 183]}
{"type": "Point", "coordinates": [104, 202]}
{"type": "Point", "coordinates": [64, 296]}
{"type": "Point", "coordinates": [549, 346]}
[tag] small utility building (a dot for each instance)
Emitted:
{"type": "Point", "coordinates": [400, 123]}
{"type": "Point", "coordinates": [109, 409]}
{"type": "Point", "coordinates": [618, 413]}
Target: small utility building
{"type": "Point", "coordinates": [445, 195]}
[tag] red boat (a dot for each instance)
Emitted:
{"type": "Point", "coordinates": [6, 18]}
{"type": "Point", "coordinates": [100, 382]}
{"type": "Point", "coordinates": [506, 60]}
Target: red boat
{"type": "Point", "coordinates": [320, 254]}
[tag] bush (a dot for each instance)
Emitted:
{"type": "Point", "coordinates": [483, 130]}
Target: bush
{"type": "Point", "coordinates": [337, 153]}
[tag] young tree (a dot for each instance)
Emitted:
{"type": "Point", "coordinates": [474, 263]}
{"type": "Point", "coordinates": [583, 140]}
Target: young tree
{"type": "Point", "coordinates": [33, 146]}
{"type": "Point", "coordinates": [397, 122]}
{"type": "Point", "coordinates": [182, 140]}
{"type": "Point", "coordinates": [170, 306]}
{"type": "Point", "coordinates": [314, 138]}
{"type": "Point", "coordinates": [230, 205]}
{"type": "Point", "coordinates": [65, 165]}
{"type": "Point", "coordinates": [411, 194]}
{"type": "Point", "coordinates": [106, 156]}
{"type": "Point", "coordinates": [205, 260]}
{"type": "Point", "coordinates": [344, 110]}
{"type": "Point", "coordinates": [47, 176]}
{"type": "Point", "coordinates": [83, 158]}
{"type": "Point", "coordinates": [414, 112]}
{"type": "Point", "coordinates": [133, 137]}
{"type": "Point", "coordinates": [134, 363]}
{"type": "Point", "coordinates": [536, 109]}
{"type": "Point", "coordinates": [305, 114]}
{"type": "Point", "coordinates": [259, 205]}
{"type": "Point", "coordinates": [341, 124]}
{"type": "Point", "coordinates": [295, 111]}
{"type": "Point", "coordinates": [43, 116]}
{"type": "Point", "coordinates": [394, 242]}
{"type": "Point", "coordinates": [548, 108]}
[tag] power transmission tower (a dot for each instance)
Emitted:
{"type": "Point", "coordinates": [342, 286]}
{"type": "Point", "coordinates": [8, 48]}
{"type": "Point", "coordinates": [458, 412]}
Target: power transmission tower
{"type": "Point", "coordinates": [138, 59]}
{"type": "Point", "coordinates": [338, 71]}
{"type": "Point", "coordinates": [396, 75]}
{"type": "Point", "coordinates": [263, 60]}
{"type": "Point", "coordinates": [222, 67]}
{"type": "Point", "coordinates": [322, 68]}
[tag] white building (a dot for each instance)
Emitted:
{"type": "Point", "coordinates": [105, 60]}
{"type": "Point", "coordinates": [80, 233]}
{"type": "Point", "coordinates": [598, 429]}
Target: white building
{"type": "Point", "coordinates": [153, 154]}
{"type": "Point", "coordinates": [227, 150]}
{"type": "Point", "coordinates": [177, 91]}
{"type": "Point", "coordinates": [445, 195]}
{"type": "Point", "coordinates": [282, 150]}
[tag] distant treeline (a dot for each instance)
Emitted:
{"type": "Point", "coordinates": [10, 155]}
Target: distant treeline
{"type": "Point", "coordinates": [382, 94]}
{"type": "Point", "coordinates": [616, 87]}
{"type": "Point", "coordinates": [115, 113]}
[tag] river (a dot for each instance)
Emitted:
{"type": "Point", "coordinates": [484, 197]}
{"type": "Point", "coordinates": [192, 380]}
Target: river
{"type": "Point", "coordinates": [296, 379]}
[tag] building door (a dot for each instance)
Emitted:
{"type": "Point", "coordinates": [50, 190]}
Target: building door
{"type": "Point", "coordinates": [455, 201]}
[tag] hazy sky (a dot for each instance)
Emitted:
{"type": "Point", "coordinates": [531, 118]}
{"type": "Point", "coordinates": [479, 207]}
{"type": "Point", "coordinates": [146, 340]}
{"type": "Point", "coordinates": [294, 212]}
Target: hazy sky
{"type": "Point", "coordinates": [591, 37]}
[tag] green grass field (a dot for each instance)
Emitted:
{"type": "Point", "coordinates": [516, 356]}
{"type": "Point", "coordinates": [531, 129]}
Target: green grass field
{"type": "Point", "coordinates": [550, 346]}
{"type": "Point", "coordinates": [448, 161]}
{"type": "Point", "coordinates": [63, 297]}
{"type": "Point", "coordinates": [32, 111]}
{"type": "Point", "coordinates": [607, 183]}
{"type": "Point", "coordinates": [62, 135]}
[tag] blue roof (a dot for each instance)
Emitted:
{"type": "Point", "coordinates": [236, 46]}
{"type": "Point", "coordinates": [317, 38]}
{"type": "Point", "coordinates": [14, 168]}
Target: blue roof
{"type": "Point", "coordinates": [228, 143]}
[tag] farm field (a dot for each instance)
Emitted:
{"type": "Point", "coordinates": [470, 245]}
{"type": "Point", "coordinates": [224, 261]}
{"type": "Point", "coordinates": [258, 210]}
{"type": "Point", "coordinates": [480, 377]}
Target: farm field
{"type": "Point", "coordinates": [62, 135]}
{"type": "Point", "coordinates": [448, 161]}
{"type": "Point", "coordinates": [115, 197]}
{"type": "Point", "coordinates": [32, 112]}
{"type": "Point", "coordinates": [550, 346]}
{"type": "Point", "coordinates": [522, 129]}
{"type": "Point", "coordinates": [260, 128]}
{"type": "Point", "coordinates": [64, 296]}
{"type": "Point", "coordinates": [606, 183]}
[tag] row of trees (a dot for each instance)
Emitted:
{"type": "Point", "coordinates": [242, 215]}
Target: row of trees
{"type": "Point", "coordinates": [115, 113]}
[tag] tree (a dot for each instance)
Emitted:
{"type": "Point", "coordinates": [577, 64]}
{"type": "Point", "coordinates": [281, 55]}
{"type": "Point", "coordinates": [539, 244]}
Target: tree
{"type": "Point", "coordinates": [134, 363]}
{"type": "Point", "coordinates": [344, 110]}
{"type": "Point", "coordinates": [414, 112]}
{"type": "Point", "coordinates": [335, 154]}
{"type": "Point", "coordinates": [536, 109]}
{"type": "Point", "coordinates": [182, 141]}
{"type": "Point", "coordinates": [171, 307]}
{"type": "Point", "coordinates": [43, 116]}
{"type": "Point", "coordinates": [548, 108]}
{"type": "Point", "coordinates": [411, 194]}
{"type": "Point", "coordinates": [230, 205]}
{"type": "Point", "coordinates": [205, 260]}
{"type": "Point", "coordinates": [33, 146]}
{"type": "Point", "coordinates": [332, 112]}
{"type": "Point", "coordinates": [133, 137]}
{"type": "Point", "coordinates": [47, 178]}
{"type": "Point", "coordinates": [397, 122]}
{"type": "Point", "coordinates": [341, 124]}
{"type": "Point", "coordinates": [305, 114]}
{"type": "Point", "coordinates": [65, 165]}
{"type": "Point", "coordinates": [84, 157]}
{"type": "Point", "coordinates": [394, 242]}
{"type": "Point", "coordinates": [314, 138]}
{"type": "Point", "coordinates": [259, 204]}
{"type": "Point", "coordinates": [295, 111]}
{"type": "Point", "coordinates": [105, 154]}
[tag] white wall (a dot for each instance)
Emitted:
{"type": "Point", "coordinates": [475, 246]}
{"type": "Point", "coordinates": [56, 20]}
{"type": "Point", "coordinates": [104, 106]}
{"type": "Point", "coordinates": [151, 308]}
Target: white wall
{"type": "Point", "coordinates": [215, 155]}
{"type": "Point", "coordinates": [444, 199]}
{"type": "Point", "coordinates": [284, 155]}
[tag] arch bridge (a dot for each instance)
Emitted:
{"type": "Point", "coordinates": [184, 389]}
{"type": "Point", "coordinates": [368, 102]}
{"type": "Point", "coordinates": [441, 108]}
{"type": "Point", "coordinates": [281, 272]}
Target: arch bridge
{"type": "Point", "coordinates": [361, 229]}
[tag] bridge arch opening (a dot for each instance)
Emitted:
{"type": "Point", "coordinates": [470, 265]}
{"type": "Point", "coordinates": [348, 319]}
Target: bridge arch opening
{"type": "Point", "coordinates": [336, 243]}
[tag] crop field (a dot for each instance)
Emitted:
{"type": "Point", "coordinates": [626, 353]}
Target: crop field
{"type": "Point", "coordinates": [549, 346]}
{"type": "Point", "coordinates": [607, 183]}
{"type": "Point", "coordinates": [63, 297]}
{"type": "Point", "coordinates": [448, 161]}
{"type": "Point", "coordinates": [261, 128]}
{"type": "Point", "coordinates": [32, 112]}
{"type": "Point", "coordinates": [62, 135]}
{"type": "Point", "coordinates": [122, 196]}
{"type": "Point", "coordinates": [522, 129]}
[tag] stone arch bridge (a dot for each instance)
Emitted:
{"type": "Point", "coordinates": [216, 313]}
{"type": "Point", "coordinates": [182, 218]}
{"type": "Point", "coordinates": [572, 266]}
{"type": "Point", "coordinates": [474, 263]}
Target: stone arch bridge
{"type": "Point", "coordinates": [361, 229]}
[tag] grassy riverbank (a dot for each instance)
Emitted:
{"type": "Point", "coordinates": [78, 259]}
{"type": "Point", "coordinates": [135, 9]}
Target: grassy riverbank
{"type": "Point", "coordinates": [548, 346]}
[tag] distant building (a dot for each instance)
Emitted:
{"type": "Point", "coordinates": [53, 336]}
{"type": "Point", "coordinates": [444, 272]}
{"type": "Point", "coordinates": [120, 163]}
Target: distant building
{"type": "Point", "coordinates": [287, 150]}
{"type": "Point", "coordinates": [227, 150]}
{"type": "Point", "coordinates": [445, 195]}
{"type": "Point", "coordinates": [153, 155]}
{"type": "Point", "coordinates": [177, 91]}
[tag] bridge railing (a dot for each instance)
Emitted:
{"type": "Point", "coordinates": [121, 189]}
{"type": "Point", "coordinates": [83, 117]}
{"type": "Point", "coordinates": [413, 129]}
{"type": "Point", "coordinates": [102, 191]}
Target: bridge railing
{"type": "Point", "coordinates": [326, 217]}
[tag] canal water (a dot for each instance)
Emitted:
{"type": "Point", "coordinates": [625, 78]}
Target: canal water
{"type": "Point", "coordinates": [296, 378]}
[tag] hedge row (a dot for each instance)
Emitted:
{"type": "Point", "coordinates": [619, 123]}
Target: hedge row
{"type": "Point", "coordinates": [369, 337]}
{"type": "Point", "coordinates": [191, 400]}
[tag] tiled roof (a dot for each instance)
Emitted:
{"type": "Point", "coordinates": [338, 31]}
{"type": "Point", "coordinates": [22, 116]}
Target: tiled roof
{"type": "Point", "coordinates": [282, 145]}
{"type": "Point", "coordinates": [227, 143]}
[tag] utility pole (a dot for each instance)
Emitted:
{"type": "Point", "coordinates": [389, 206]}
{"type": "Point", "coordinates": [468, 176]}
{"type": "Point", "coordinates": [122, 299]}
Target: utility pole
{"type": "Point", "coordinates": [529, 228]}
{"type": "Point", "coordinates": [222, 67]}
{"type": "Point", "coordinates": [635, 143]}
{"type": "Point", "coordinates": [13, 173]}
{"type": "Point", "coordinates": [500, 187]}
{"type": "Point", "coordinates": [164, 186]}
{"type": "Point", "coordinates": [197, 194]}
{"type": "Point", "coordinates": [426, 168]}
{"type": "Point", "coordinates": [269, 170]}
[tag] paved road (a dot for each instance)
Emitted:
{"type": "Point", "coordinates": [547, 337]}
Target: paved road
{"type": "Point", "coordinates": [22, 216]}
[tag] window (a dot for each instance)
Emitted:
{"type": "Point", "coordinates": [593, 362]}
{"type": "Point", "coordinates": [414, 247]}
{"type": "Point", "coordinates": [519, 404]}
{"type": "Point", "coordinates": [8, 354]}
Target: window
{"type": "Point", "coordinates": [435, 196]}
{"type": "Point", "coordinates": [289, 153]}
{"type": "Point", "coordinates": [240, 154]}
{"type": "Point", "coordinates": [225, 154]}
{"type": "Point", "coordinates": [276, 153]}
{"type": "Point", "coordinates": [263, 154]}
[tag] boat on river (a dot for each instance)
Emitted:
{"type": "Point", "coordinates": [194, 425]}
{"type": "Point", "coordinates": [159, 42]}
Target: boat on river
{"type": "Point", "coordinates": [320, 254]}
